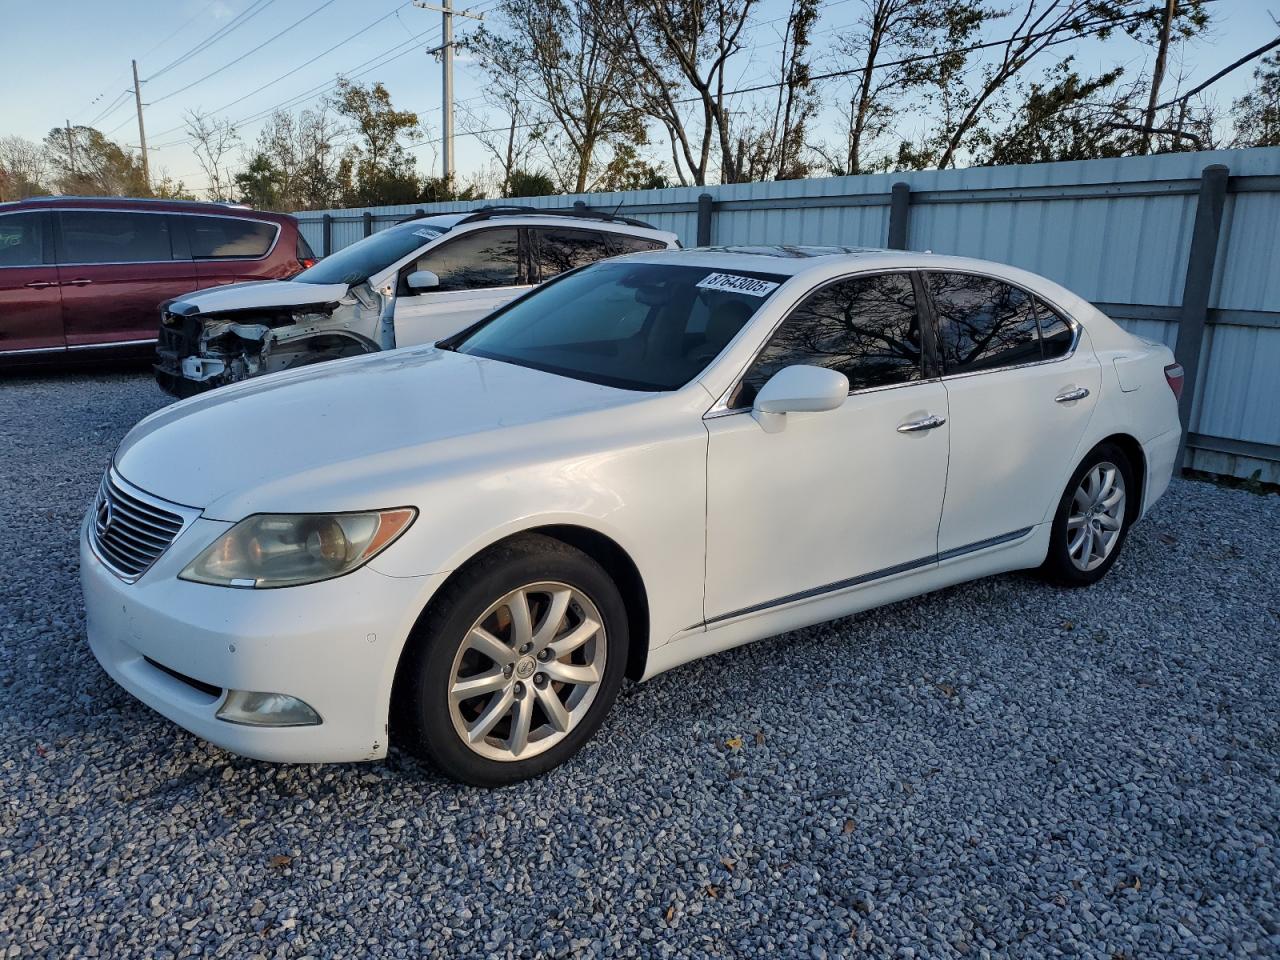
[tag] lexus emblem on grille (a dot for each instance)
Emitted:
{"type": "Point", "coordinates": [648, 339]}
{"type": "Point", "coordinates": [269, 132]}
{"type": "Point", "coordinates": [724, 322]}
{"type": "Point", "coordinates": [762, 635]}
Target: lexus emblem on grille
{"type": "Point", "coordinates": [104, 516]}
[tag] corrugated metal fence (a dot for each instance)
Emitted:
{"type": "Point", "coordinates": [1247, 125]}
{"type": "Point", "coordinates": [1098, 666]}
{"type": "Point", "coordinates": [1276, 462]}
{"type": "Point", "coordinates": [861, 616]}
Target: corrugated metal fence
{"type": "Point", "coordinates": [1175, 247]}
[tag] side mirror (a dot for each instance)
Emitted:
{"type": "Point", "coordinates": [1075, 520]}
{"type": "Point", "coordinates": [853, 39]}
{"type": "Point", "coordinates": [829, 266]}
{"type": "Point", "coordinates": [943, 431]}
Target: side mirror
{"type": "Point", "coordinates": [422, 280]}
{"type": "Point", "coordinates": [798, 389]}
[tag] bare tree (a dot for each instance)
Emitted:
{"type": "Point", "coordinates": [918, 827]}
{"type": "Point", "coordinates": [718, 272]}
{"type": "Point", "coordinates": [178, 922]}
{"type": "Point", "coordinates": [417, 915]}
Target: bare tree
{"type": "Point", "coordinates": [23, 171]}
{"type": "Point", "coordinates": [677, 55]}
{"type": "Point", "coordinates": [212, 140]}
{"type": "Point", "coordinates": [575, 81]}
{"type": "Point", "coordinates": [516, 124]}
{"type": "Point", "coordinates": [887, 36]}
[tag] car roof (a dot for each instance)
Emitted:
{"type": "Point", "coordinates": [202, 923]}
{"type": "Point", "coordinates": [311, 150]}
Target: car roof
{"type": "Point", "coordinates": [447, 221]}
{"type": "Point", "coordinates": [793, 260]}
{"type": "Point", "coordinates": [145, 203]}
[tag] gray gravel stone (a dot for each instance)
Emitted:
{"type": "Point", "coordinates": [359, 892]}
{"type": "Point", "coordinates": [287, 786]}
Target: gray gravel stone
{"type": "Point", "coordinates": [1003, 768]}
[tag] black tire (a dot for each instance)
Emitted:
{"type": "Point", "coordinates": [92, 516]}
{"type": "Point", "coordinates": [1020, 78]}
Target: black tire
{"type": "Point", "coordinates": [1058, 566]}
{"type": "Point", "coordinates": [421, 721]}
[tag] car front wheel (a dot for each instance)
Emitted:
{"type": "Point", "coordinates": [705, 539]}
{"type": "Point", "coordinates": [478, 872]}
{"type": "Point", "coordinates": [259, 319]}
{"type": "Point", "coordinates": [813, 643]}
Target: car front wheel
{"type": "Point", "coordinates": [1092, 519]}
{"type": "Point", "coordinates": [515, 665]}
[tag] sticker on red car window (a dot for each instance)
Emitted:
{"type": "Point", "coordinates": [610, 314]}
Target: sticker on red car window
{"type": "Point", "coordinates": [732, 283]}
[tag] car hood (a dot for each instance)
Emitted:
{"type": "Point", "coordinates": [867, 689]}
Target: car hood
{"type": "Point", "coordinates": [331, 436]}
{"type": "Point", "coordinates": [264, 293]}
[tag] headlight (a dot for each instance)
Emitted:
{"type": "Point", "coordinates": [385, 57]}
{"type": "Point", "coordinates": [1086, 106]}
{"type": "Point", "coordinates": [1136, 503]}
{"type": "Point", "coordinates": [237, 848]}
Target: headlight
{"type": "Point", "coordinates": [285, 550]}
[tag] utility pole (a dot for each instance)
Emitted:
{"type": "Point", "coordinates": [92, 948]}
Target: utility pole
{"type": "Point", "coordinates": [71, 149]}
{"type": "Point", "coordinates": [142, 133]}
{"type": "Point", "coordinates": [445, 50]}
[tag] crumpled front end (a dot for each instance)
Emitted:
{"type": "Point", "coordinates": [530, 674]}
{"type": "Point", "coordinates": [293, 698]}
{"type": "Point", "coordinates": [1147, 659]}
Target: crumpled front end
{"type": "Point", "coordinates": [197, 351]}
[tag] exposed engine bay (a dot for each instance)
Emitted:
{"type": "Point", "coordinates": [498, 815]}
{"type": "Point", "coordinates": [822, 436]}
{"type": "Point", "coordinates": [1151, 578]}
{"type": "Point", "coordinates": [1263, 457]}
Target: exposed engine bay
{"type": "Point", "coordinates": [198, 351]}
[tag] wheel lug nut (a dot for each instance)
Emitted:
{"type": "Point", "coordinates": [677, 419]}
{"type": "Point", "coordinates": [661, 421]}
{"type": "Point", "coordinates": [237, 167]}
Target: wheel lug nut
{"type": "Point", "coordinates": [525, 648]}
{"type": "Point", "coordinates": [508, 670]}
{"type": "Point", "coordinates": [544, 655]}
{"type": "Point", "coordinates": [540, 679]}
{"type": "Point", "coordinates": [519, 691]}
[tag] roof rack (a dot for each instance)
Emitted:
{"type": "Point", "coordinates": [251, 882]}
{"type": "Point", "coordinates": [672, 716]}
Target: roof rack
{"type": "Point", "coordinates": [62, 197]}
{"type": "Point", "coordinates": [579, 210]}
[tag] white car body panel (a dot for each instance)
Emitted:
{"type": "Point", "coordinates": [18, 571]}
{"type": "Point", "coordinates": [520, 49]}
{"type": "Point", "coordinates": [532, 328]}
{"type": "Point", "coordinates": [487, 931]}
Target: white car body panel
{"type": "Point", "coordinates": [430, 317]}
{"type": "Point", "coordinates": [263, 293]}
{"type": "Point", "coordinates": [736, 533]}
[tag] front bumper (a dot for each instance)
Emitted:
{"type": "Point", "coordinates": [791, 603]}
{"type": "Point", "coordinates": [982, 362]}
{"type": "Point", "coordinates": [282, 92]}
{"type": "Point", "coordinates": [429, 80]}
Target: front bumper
{"type": "Point", "coordinates": [333, 645]}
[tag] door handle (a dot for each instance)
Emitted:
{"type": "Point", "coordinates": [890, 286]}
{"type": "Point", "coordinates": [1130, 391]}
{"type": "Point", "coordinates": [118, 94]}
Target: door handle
{"type": "Point", "coordinates": [40, 284]}
{"type": "Point", "coordinates": [928, 423]}
{"type": "Point", "coordinates": [78, 282]}
{"type": "Point", "coordinates": [1079, 393]}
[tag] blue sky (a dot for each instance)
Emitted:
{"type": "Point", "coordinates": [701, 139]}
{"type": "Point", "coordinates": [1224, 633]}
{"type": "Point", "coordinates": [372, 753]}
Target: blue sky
{"type": "Point", "coordinates": [81, 73]}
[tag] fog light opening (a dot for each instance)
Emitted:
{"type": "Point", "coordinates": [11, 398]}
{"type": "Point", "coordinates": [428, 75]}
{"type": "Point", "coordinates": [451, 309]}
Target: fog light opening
{"type": "Point", "coordinates": [266, 710]}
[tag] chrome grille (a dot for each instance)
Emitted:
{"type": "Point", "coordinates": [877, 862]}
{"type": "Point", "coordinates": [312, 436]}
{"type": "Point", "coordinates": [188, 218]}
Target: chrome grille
{"type": "Point", "coordinates": [130, 533]}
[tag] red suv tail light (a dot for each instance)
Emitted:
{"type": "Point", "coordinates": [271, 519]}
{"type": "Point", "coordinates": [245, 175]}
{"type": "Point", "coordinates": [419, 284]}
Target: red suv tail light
{"type": "Point", "coordinates": [308, 262]}
{"type": "Point", "coordinates": [1173, 373]}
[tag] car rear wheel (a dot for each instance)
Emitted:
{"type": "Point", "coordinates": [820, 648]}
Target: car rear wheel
{"type": "Point", "coordinates": [515, 664]}
{"type": "Point", "coordinates": [1092, 520]}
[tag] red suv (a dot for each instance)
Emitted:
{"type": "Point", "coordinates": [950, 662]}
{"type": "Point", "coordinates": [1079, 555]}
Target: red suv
{"type": "Point", "coordinates": [82, 277]}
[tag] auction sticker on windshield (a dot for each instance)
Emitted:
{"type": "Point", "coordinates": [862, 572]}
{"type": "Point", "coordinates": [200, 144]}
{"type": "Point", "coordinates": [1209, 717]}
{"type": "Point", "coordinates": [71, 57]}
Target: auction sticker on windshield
{"type": "Point", "coordinates": [732, 283]}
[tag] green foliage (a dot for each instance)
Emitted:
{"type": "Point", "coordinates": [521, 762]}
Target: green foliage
{"type": "Point", "coordinates": [527, 183]}
{"type": "Point", "coordinates": [86, 163]}
{"type": "Point", "coordinates": [1257, 113]}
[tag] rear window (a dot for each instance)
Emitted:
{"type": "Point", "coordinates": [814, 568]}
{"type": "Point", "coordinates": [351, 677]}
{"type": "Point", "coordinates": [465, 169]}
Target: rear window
{"type": "Point", "coordinates": [227, 237]}
{"type": "Point", "coordinates": [621, 243]}
{"type": "Point", "coordinates": [21, 240]}
{"type": "Point", "coordinates": [111, 236]}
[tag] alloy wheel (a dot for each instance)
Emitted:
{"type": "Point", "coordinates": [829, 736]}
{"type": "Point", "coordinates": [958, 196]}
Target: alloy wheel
{"type": "Point", "coordinates": [1097, 515]}
{"type": "Point", "coordinates": [527, 671]}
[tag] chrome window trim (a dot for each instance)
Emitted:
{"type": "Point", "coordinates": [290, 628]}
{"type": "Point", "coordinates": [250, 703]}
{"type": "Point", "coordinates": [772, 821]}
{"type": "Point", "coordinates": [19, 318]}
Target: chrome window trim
{"type": "Point", "coordinates": [14, 353]}
{"type": "Point", "coordinates": [111, 343]}
{"type": "Point", "coordinates": [721, 406]}
{"type": "Point", "coordinates": [1072, 322]}
{"type": "Point", "coordinates": [188, 514]}
{"type": "Point", "coordinates": [160, 213]}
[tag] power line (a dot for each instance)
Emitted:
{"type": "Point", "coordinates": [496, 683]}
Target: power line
{"type": "Point", "coordinates": [1222, 73]}
{"type": "Point", "coordinates": [383, 58]}
{"type": "Point", "coordinates": [247, 53]}
{"type": "Point", "coordinates": [236, 22]}
{"type": "Point", "coordinates": [307, 63]}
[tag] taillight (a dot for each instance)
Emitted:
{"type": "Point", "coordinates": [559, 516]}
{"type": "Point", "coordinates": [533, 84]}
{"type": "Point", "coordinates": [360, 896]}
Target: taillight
{"type": "Point", "coordinates": [308, 262]}
{"type": "Point", "coordinates": [1173, 373]}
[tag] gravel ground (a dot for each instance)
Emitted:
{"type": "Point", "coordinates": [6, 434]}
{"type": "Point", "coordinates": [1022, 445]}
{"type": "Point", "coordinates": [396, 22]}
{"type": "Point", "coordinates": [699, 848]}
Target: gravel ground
{"type": "Point", "coordinates": [998, 769]}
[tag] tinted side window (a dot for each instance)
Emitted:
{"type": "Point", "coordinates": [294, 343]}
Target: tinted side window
{"type": "Point", "coordinates": [865, 327]}
{"type": "Point", "coordinates": [1055, 332]}
{"type": "Point", "coordinates": [620, 243]}
{"type": "Point", "coordinates": [21, 240]}
{"type": "Point", "coordinates": [560, 250]}
{"type": "Point", "coordinates": [107, 236]}
{"type": "Point", "coordinates": [485, 258]}
{"type": "Point", "coordinates": [217, 237]}
{"type": "Point", "coordinates": [983, 323]}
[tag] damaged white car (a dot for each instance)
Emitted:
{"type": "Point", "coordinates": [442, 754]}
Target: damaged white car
{"type": "Point", "coordinates": [417, 282]}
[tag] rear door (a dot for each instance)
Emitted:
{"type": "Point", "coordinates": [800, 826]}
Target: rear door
{"type": "Point", "coordinates": [479, 271]}
{"type": "Point", "coordinates": [30, 302]}
{"type": "Point", "coordinates": [1014, 424]}
{"type": "Point", "coordinates": [115, 268]}
{"type": "Point", "coordinates": [231, 249]}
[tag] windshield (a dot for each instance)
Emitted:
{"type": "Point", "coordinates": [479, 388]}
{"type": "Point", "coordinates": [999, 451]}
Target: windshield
{"type": "Point", "coordinates": [360, 261]}
{"type": "Point", "coordinates": [639, 326]}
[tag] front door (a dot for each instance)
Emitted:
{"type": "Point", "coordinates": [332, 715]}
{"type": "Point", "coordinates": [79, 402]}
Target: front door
{"type": "Point", "coordinates": [840, 498]}
{"type": "Point", "coordinates": [1014, 423]}
{"type": "Point", "coordinates": [115, 268]}
{"type": "Point", "coordinates": [479, 271]}
{"type": "Point", "coordinates": [30, 302]}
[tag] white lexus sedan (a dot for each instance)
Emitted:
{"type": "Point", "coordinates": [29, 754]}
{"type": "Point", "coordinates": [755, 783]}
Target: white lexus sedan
{"type": "Point", "coordinates": [466, 547]}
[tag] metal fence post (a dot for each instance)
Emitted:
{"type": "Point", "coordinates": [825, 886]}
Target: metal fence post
{"type": "Point", "coordinates": [326, 234]}
{"type": "Point", "coordinates": [1196, 288]}
{"type": "Point", "coordinates": [706, 206]}
{"type": "Point", "coordinates": [367, 217]}
{"type": "Point", "coordinates": [899, 214]}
